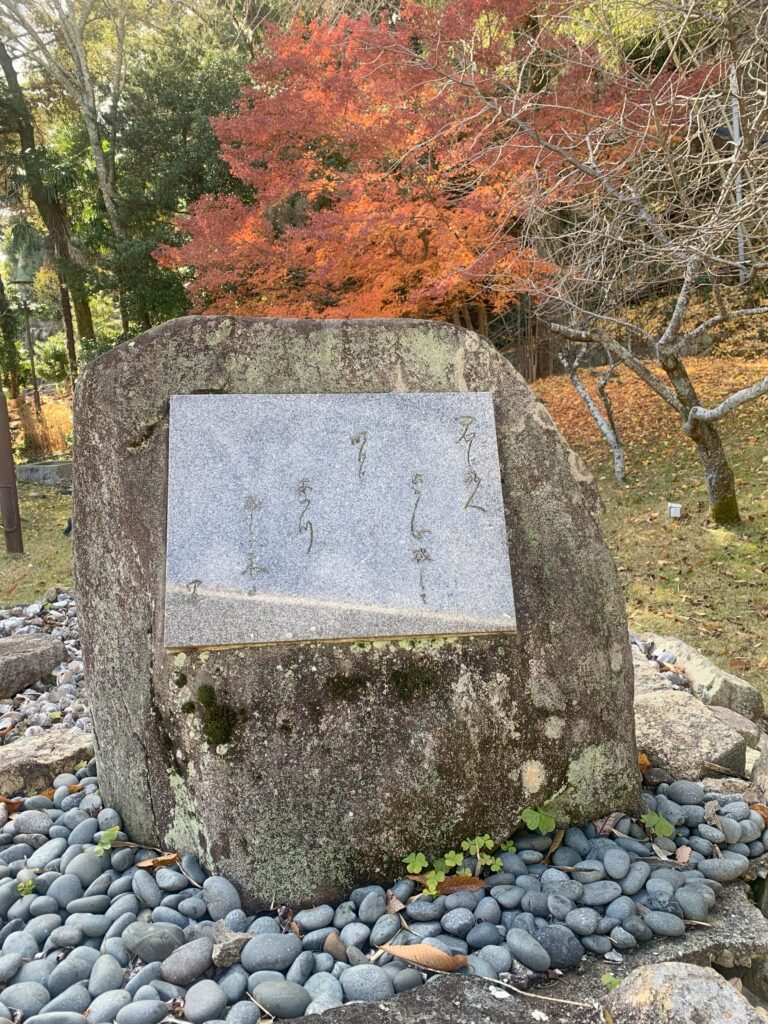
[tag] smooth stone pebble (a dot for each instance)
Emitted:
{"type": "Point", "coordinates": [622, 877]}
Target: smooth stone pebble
{"type": "Point", "coordinates": [105, 1007]}
{"type": "Point", "coordinates": [385, 929]}
{"type": "Point", "coordinates": [269, 952]}
{"type": "Point", "coordinates": [527, 950]}
{"type": "Point", "coordinates": [597, 894]}
{"type": "Point", "coordinates": [725, 869]}
{"type": "Point", "coordinates": [483, 934]}
{"type": "Point", "coordinates": [203, 1002]}
{"type": "Point", "coordinates": [355, 934]}
{"type": "Point", "coordinates": [148, 1011]}
{"type": "Point", "coordinates": [106, 974]}
{"type": "Point", "coordinates": [583, 921]}
{"type": "Point", "coordinates": [662, 923]}
{"type": "Point", "coordinates": [57, 1017]}
{"type": "Point", "coordinates": [302, 967]}
{"type": "Point", "coordinates": [324, 985]}
{"type": "Point", "coordinates": [499, 957]}
{"type": "Point", "coordinates": [317, 917]}
{"type": "Point", "coordinates": [366, 983]}
{"type": "Point", "coordinates": [564, 949]}
{"type": "Point", "coordinates": [372, 908]}
{"type": "Point", "coordinates": [146, 889]}
{"type": "Point", "coordinates": [190, 961]}
{"type": "Point", "coordinates": [635, 878]}
{"type": "Point", "coordinates": [75, 999]}
{"type": "Point", "coordinates": [685, 792]}
{"type": "Point", "coordinates": [426, 910]}
{"type": "Point", "coordinates": [407, 979]}
{"type": "Point", "coordinates": [86, 867]}
{"type": "Point", "coordinates": [282, 999]}
{"type": "Point", "coordinates": [458, 922]}
{"type": "Point", "coordinates": [599, 944]}
{"type": "Point", "coordinates": [617, 863]}
{"type": "Point", "coordinates": [28, 996]}
{"type": "Point", "coordinates": [243, 1013]}
{"type": "Point", "coordinates": [220, 897]}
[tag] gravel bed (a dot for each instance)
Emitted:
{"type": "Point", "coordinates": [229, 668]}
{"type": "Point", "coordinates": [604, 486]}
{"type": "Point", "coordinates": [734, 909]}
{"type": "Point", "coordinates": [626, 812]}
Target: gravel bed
{"type": "Point", "coordinates": [62, 704]}
{"type": "Point", "coordinates": [129, 944]}
{"type": "Point", "coordinates": [83, 933]}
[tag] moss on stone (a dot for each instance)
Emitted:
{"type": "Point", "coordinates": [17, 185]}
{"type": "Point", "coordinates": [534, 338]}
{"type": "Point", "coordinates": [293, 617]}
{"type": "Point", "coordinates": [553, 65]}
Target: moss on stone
{"type": "Point", "coordinates": [346, 687]}
{"type": "Point", "coordinates": [412, 681]}
{"type": "Point", "coordinates": [218, 719]}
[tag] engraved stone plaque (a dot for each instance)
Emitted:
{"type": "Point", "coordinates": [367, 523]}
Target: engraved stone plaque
{"type": "Point", "coordinates": [334, 517]}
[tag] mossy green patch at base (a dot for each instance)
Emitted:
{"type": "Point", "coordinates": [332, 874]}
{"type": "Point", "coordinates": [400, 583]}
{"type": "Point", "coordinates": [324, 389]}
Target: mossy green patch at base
{"type": "Point", "coordinates": [218, 719]}
{"type": "Point", "coordinates": [412, 681]}
{"type": "Point", "coordinates": [346, 687]}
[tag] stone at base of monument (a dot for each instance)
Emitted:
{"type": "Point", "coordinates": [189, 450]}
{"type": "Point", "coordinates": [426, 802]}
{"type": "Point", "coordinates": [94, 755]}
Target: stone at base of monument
{"type": "Point", "coordinates": [301, 769]}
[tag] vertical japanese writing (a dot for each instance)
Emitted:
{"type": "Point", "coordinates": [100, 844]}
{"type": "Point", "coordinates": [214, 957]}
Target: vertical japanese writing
{"type": "Point", "coordinates": [360, 441]}
{"type": "Point", "coordinates": [419, 556]}
{"type": "Point", "coordinates": [252, 567]}
{"type": "Point", "coordinates": [305, 523]}
{"type": "Point", "coordinates": [472, 478]}
{"type": "Point", "coordinates": [417, 483]}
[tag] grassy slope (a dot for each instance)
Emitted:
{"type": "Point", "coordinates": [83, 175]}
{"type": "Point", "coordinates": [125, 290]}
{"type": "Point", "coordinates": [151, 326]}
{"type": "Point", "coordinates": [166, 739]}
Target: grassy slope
{"type": "Point", "coordinates": [684, 578]}
{"type": "Point", "coordinates": [47, 558]}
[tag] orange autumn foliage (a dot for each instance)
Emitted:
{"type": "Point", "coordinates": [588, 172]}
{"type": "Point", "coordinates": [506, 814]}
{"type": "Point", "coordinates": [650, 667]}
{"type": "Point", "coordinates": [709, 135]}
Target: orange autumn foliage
{"type": "Point", "coordinates": [375, 189]}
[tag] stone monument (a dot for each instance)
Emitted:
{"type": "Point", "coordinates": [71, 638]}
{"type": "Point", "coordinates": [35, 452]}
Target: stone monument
{"type": "Point", "coordinates": [343, 595]}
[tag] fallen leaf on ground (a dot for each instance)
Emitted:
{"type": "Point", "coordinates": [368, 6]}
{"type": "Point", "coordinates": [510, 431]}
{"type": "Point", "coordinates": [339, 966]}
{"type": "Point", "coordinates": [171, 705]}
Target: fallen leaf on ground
{"type": "Point", "coordinates": [557, 842]}
{"type": "Point", "coordinates": [762, 810]}
{"type": "Point", "coordinates": [12, 805]}
{"type": "Point", "coordinates": [643, 762]}
{"type": "Point", "coordinates": [429, 957]}
{"type": "Point", "coordinates": [394, 905]}
{"type": "Point", "coordinates": [683, 854]}
{"type": "Point", "coordinates": [460, 883]}
{"type": "Point", "coordinates": [163, 861]}
{"type": "Point", "coordinates": [606, 825]}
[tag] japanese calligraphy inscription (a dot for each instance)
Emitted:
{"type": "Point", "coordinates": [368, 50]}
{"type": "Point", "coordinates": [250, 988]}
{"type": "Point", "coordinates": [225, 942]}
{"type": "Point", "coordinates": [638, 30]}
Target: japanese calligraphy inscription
{"type": "Point", "coordinates": [334, 517]}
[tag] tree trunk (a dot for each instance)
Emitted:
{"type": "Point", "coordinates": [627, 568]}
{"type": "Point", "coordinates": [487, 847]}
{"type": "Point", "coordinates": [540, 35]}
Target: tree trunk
{"type": "Point", "coordinates": [66, 312]}
{"type": "Point", "coordinates": [721, 485]}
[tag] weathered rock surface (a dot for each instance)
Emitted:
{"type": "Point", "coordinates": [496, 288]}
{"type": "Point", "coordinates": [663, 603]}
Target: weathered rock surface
{"type": "Point", "coordinates": [669, 993]}
{"type": "Point", "coordinates": [739, 723]}
{"type": "Point", "coordinates": [330, 788]}
{"type": "Point", "coordinates": [709, 683]}
{"type": "Point", "coordinates": [677, 732]}
{"type": "Point", "coordinates": [30, 762]}
{"type": "Point", "coordinates": [648, 679]}
{"type": "Point", "coordinates": [25, 659]}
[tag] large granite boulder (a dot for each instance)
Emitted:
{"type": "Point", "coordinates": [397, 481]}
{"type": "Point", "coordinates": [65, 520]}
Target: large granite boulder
{"type": "Point", "coordinates": [301, 769]}
{"type": "Point", "coordinates": [31, 762]}
{"type": "Point", "coordinates": [26, 659]}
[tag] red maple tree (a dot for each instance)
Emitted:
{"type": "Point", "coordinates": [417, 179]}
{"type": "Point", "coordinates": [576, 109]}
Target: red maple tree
{"type": "Point", "coordinates": [375, 189]}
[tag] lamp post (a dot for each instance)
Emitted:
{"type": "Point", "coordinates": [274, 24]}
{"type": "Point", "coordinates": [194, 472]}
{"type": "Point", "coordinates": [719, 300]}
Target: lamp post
{"type": "Point", "coordinates": [9, 495]}
{"type": "Point", "coordinates": [24, 289]}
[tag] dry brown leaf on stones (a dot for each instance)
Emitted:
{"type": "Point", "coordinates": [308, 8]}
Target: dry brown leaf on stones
{"type": "Point", "coordinates": [394, 905]}
{"type": "Point", "coordinates": [606, 825]}
{"type": "Point", "coordinates": [762, 810]}
{"type": "Point", "coordinates": [557, 842]}
{"type": "Point", "coordinates": [165, 860]}
{"type": "Point", "coordinates": [643, 762]}
{"type": "Point", "coordinates": [683, 854]}
{"type": "Point", "coordinates": [12, 805]}
{"type": "Point", "coordinates": [460, 883]}
{"type": "Point", "coordinates": [429, 957]}
{"type": "Point", "coordinates": [711, 807]}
